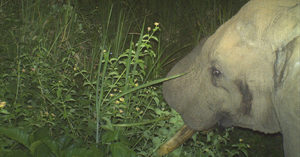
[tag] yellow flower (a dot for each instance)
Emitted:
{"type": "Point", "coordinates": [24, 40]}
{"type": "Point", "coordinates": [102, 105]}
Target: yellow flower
{"type": "Point", "coordinates": [104, 51]}
{"type": "Point", "coordinates": [29, 106]}
{"type": "Point", "coordinates": [2, 104]}
{"type": "Point", "coordinates": [46, 113]}
{"type": "Point", "coordinates": [74, 68]}
{"type": "Point", "coordinates": [122, 99]}
{"type": "Point", "coordinates": [23, 70]}
{"type": "Point", "coordinates": [121, 111]}
{"type": "Point", "coordinates": [117, 102]}
{"type": "Point", "coordinates": [137, 109]}
{"type": "Point", "coordinates": [136, 84]}
{"type": "Point", "coordinates": [111, 95]}
{"type": "Point", "coordinates": [52, 114]}
{"type": "Point", "coordinates": [248, 145]}
{"type": "Point", "coordinates": [156, 23]}
{"type": "Point", "coordinates": [115, 89]}
{"type": "Point", "coordinates": [241, 140]}
{"type": "Point", "coordinates": [135, 80]}
{"type": "Point", "coordinates": [149, 29]}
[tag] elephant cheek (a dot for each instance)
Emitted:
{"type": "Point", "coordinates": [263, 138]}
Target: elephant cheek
{"type": "Point", "coordinates": [184, 96]}
{"type": "Point", "coordinates": [185, 101]}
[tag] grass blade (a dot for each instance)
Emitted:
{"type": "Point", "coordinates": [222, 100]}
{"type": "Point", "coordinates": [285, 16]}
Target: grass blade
{"type": "Point", "coordinates": [17, 135]}
{"type": "Point", "coordinates": [144, 85]}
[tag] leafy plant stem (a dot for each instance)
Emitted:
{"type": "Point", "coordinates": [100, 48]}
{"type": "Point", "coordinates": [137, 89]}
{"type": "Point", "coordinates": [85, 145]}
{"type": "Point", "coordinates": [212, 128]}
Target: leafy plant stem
{"type": "Point", "coordinates": [97, 97]}
{"type": "Point", "coordinates": [139, 49]}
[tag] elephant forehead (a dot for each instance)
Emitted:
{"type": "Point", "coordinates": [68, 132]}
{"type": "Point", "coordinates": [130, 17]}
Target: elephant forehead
{"type": "Point", "coordinates": [242, 56]}
{"type": "Point", "coordinates": [266, 25]}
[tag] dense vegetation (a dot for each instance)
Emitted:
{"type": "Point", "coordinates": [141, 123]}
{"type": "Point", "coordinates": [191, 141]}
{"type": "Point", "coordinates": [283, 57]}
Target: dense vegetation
{"type": "Point", "coordinates": [83, 78]}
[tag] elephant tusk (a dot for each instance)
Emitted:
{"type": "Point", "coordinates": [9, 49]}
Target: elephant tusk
{"type": "Point", "coordinates": [179, 138]}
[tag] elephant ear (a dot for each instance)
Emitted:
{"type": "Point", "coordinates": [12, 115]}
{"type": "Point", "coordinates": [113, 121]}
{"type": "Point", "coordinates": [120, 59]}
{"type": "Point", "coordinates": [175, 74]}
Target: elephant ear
{"type": "Point", "coordinates": [285, 37]}
{"type": "Point", "coordinates": [287, 95]}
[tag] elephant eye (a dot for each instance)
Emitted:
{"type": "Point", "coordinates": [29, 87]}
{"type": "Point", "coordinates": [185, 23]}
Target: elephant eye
{"type": "Point", "coordinates": [215, 72]}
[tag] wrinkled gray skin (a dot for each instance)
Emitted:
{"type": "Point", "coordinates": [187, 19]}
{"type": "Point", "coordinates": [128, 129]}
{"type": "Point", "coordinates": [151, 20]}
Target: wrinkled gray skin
{"type": "Point", "coordinates": [246, 74]}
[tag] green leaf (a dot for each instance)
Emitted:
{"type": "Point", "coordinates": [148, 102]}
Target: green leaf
{"type": "Point", "coordinates": [95, 152]}
{"type": "Point", "coordinates": [14, 153]}
{"type": "Point", "coordinates": [108, 125]}
{"type": "Point", "coordinates": [109, 136]}
{"type": "Point", "coordinates": [58, 92]}
{"type": "Point", "coordinates": [114, 73]}
{"type": "Point", "coordinates": [163, 131]}
{"type": "Point", "coordinates": [155, 38]}
{"type": "Point", "coordinates": [156, 100]}
{"type": "Point", "coordinates": [89, 83]}
{"type": "Point", "coordinates": [65, 142]}
{"type": "Point", "coordinates": [17, 135]}
{"type": "Point", "coordinates": [52, 145]}
{"type": "Point", "coordinates": [40, 134]}
{"type": "Point", "coordinates": [34, 145]}
{"type": "Point", "coordinates": [83, 71]}
{"type": "Point", "coordinates": [76, 152]}
{"type": "Point", "coordinates": [69, 98]}
{"type": "Point", "coordinates": [39, 149]}
{"type": "Point", "coordinates": [245, 152]}
{"type": "Point", "coordinates": [156, 141]}
{"type": "Point", "coordinates": [115, 59]}
{"type": "Point", "coordinates": [83, 152]}
{"type": "Point", "coordinates": [3, 111]}
{"type": "Point", "coordinates": [121, 150]}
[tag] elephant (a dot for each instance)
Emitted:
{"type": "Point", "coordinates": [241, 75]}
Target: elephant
{"type": "Point", "coordinates": [246, 74]}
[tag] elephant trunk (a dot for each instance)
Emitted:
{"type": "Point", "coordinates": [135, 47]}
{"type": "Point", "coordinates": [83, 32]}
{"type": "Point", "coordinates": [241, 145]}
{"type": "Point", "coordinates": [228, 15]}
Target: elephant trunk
{"type": "Point", "coordinates": [179, 138]}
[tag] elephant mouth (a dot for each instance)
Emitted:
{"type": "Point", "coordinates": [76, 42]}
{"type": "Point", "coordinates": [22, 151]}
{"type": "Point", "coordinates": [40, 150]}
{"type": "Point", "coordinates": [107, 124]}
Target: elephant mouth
{"type": "Point", "coordinates": [224, 119]}
{"type": "Point", "coordinates": [185, 132]}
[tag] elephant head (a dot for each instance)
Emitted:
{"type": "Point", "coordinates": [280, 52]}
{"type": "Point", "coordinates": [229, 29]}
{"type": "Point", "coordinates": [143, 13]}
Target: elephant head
{"type": "Point", "coordinates": [246, 74]}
